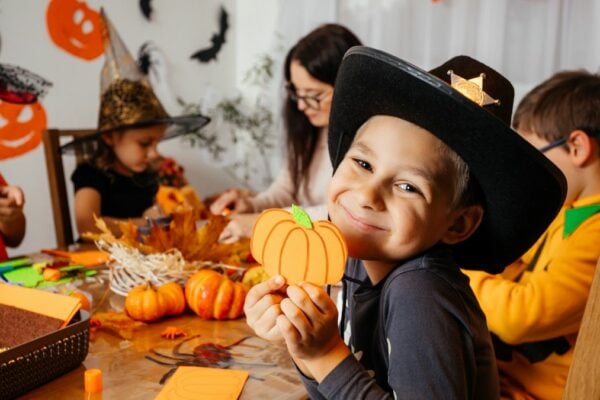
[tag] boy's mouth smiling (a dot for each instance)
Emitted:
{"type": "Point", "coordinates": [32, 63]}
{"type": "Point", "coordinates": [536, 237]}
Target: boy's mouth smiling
{"type": "Point", "coordinates": [359, 222]}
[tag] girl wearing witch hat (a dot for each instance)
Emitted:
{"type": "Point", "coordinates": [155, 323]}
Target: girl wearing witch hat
{"type": "Point", "coordinates": [118, 180]}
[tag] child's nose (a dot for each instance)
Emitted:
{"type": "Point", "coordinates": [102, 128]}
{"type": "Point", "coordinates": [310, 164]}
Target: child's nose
{"type": "Point", "coordinates": [370, 197]}
{"type": "Point", "coordinates": [153, 153]}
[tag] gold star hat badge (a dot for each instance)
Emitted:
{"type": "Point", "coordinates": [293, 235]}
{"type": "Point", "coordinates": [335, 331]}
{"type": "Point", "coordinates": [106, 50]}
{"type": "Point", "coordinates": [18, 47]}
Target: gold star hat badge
{"type": "Point", "coordinates": [472, 89]}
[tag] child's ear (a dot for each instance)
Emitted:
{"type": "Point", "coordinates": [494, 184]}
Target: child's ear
{"type": "Point", "coordinates": [581, 148]}
{"type": "Point", "coordinates": [108, 139]}
{"type": "Point", "coordinates": [466, 222]}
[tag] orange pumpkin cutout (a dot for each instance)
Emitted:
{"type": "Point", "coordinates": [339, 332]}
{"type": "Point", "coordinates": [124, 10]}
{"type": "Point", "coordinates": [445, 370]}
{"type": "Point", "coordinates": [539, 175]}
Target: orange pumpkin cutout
{"type": "Point", "coordinates": [75, 28]}
{"type": "Point", "coordinates": [21, 128]}
{"type": "Point", "coordinates": [291, 245]}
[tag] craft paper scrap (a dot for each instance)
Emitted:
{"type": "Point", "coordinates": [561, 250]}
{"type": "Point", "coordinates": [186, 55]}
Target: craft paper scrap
{"type": "Point", "coordinates": [88, 258]}
{"type": "Point", "coordinates": [52, 305]}
{"type": "Point", "coordinates": [190, 383]}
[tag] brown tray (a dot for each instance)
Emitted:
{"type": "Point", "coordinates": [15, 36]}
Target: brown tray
{"type": "Point", "coordinates": [27, 366]}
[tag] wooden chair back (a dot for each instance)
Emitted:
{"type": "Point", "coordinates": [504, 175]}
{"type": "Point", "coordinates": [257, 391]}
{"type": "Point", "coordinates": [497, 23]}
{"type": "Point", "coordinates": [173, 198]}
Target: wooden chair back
{"type": "Point", "coordinates": [583, 381]}
{"type": "Point", "coordinates": [57, 181]}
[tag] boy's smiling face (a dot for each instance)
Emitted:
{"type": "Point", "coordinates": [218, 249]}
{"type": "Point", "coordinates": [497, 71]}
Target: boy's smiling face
{"type": "Point", "coordinates": [392, 194]}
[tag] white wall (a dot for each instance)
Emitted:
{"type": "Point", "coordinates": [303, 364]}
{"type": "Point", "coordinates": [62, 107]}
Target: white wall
{"type": "Point", "coordinates": [178, 28]}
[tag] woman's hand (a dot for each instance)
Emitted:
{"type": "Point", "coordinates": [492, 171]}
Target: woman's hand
{"type": "Point", "coordinates": [235, 200]}
{"type": "Point", "coordinates": [239, 227]}
{"type": "Point", "coordinates": [262, 308]}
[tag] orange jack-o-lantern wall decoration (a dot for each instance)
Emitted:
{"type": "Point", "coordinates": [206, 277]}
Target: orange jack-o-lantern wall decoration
{"type": "Point", "coordinates": [21, 128]}
{"type": "Point", "coordinates": [75, 28]}
{"type": "Point", "coordinates": [291, 245]}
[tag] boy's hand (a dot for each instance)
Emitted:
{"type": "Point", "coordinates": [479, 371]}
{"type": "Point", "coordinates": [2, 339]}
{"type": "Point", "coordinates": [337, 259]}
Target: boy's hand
{"type": "Point", "coordinates": [12, 201]}
{"type": "Point", "coordinates": [309, 322]}
{"type": "Point", "coordinates": [262, 307]}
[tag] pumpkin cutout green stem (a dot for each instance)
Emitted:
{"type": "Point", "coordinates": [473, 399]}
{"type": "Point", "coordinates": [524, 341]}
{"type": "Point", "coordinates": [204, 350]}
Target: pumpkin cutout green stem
{"type": "Point", "coordinates": [301, 217]}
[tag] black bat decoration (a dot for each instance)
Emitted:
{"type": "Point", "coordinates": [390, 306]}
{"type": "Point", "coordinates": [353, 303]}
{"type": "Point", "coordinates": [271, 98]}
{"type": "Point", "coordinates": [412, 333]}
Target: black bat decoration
{"type": "Point", "coordinates": [146, 8]}
{"type": "Point", "coordinates": [217, 39]}
{"type": "Point", "coordinates": [143, 61]}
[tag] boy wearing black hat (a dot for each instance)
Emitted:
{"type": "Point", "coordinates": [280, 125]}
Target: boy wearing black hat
{"type": "Point", "coordinates": [420, 188]}
{"type": "Point", "coordinates": [535, 307]}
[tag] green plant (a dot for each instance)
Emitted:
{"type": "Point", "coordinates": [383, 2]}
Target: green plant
{"type": "Point", "coordinates": [242, 124]}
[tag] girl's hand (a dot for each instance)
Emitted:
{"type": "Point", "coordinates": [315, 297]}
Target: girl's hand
{"type": "Point", "coordinates": [309, 322]}
{"type": "Point", "coordinates": [12, 201]}
{"type": "Point", "coordinates": [235, 200]}
{"type": "Point", "coordinates": [262, 307]}
{"type": "Point", "coordinates": [239, 227]}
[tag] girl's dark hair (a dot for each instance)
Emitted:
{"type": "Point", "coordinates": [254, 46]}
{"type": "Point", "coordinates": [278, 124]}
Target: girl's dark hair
{"type": "Point", "coordinates": [103, 156]}
{"type": "Point", "coordinates": [321, 53]}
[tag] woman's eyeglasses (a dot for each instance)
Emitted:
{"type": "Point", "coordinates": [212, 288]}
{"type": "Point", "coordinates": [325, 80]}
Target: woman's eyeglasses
{"type": "Point", "coordinates": [311, 101]}
{"type": "Point", "coordinates": [595, 133]}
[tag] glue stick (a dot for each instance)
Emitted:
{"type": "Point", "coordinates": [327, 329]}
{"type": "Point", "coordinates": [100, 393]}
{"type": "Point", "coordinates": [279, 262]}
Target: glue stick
{"type": "Point", "coordinates": [93, 384]}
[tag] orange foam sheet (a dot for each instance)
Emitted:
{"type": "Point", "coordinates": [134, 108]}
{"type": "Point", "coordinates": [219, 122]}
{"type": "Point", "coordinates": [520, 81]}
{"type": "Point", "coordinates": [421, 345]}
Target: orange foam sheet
{"type": "Point", "coordinates": [188, 383]}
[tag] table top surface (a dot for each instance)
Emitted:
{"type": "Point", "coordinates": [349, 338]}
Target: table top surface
{"type": "Point", "coordinates": [129, 374]}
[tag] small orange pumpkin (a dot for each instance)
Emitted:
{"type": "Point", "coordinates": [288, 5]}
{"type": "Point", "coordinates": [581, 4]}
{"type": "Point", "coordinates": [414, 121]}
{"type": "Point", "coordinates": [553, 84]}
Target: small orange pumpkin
{"type": "Point", "coordinates": [212, 295]}
{"type": "Point", "coordinates": [291, 245]}
{"type": "Point", "coordinates": [172, 199]}
{"type": "Point", "coordinates": [145, 303]}
{"type": "Point", "coordinates": [174, 298]}
{"type": "Point", "coordinates": [85, 302]}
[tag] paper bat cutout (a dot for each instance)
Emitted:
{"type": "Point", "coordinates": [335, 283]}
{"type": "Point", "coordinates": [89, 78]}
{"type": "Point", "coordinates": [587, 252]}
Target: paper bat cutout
{"type": "Point", "coordinates": [217, 39]}
{"type": "Point", "coordinates": [146, 8]}
{"type": "Point", "coordinates": [144, 61]}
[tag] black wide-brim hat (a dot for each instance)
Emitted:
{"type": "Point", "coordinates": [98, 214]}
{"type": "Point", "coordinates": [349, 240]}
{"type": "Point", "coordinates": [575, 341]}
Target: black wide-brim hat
{"type": "Point", "coordinates": [176, 126]}
{"type": "Point", "coordinates": [523, 190]}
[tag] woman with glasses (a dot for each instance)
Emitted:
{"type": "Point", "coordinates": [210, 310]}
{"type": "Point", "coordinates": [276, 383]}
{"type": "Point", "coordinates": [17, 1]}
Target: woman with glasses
{"type": "Point", "coordinates": [310, 70]}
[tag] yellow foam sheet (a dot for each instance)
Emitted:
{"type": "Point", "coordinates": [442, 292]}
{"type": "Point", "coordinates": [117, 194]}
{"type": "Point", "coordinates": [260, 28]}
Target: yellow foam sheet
{"type": "Point", "coordinates": [53, 305]}
{"type": "Point", "coordinates": [191, 383]}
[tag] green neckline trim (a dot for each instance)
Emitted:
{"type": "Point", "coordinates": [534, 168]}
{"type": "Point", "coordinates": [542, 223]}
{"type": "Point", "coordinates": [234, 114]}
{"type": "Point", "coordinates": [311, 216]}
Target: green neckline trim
{"type": "Point", "coordinates": [576, 216]}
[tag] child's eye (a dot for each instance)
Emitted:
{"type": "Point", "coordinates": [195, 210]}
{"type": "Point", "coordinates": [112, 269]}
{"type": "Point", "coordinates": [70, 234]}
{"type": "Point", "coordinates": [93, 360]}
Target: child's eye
{"type": "Point", "coordinates": [363, 164]}
{"type": "Point", "coordinates": [407, 187]}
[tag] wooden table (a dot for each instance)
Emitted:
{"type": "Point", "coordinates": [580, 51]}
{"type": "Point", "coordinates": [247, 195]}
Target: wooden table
{"type": "Point", "coordinates": [128, 374]}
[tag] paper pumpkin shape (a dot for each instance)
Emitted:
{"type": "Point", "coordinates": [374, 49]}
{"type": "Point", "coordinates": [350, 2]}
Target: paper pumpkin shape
{"type": "Point", "coordinates": [291, 245]}
{"type": "Point", "coordinates": [22, 129]}
{"type": "Point", "coordinates": [75, 28]}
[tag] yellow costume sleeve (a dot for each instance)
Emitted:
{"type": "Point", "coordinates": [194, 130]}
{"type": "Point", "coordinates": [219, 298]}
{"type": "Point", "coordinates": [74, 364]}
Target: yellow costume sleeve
{"type": "Point", "coordinates": [548, 301]}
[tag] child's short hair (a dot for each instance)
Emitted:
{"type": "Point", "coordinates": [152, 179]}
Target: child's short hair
{"type": "Point", "coordinates": [567, 101]}
{"type": "Point", "coordinates": [467, 191]}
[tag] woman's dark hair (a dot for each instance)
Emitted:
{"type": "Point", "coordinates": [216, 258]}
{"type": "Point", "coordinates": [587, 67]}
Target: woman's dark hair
{"type": "Point", "coordinates": [321, 53]}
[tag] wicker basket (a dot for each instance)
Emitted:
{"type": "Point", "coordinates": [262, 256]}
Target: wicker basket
{"type": "Point", "coordinates": [25, 367]}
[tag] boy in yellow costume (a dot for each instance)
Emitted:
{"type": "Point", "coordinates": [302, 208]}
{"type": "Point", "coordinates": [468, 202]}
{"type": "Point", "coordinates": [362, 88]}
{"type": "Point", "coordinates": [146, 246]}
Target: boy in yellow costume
{"type": "Point", "coordinates": [534, 308]}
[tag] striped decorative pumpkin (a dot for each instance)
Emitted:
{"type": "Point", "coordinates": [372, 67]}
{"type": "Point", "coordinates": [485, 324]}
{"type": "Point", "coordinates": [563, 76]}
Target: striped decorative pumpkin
{"type": "Point", "coordinates": [212, 295]}
{"type": "Point", "coordinates": [291, 245]}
